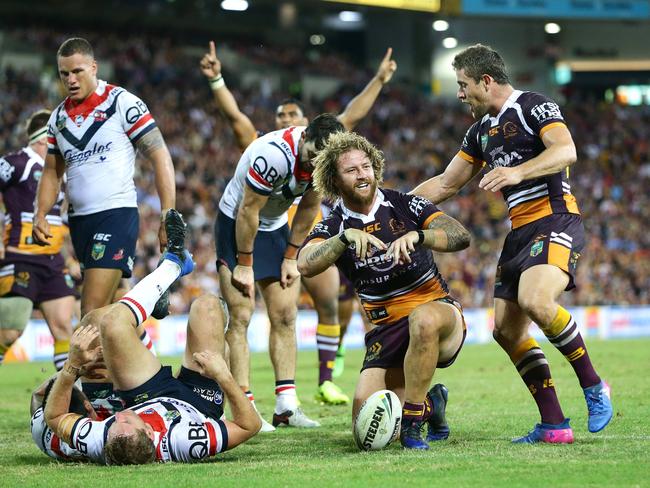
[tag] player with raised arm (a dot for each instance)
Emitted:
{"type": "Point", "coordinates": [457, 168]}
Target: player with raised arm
{"type": "Point", "coordinates": [31, 275]}
{"type": "Point", "coordinates": [382, 241]}
{"type": "Point", "coordinates": [168, 418]}
{"type": "Point", "coordinates": [524, 141]}
{"type": "Point", "coordinates": [93, 136]}
{"type": "Point", "coordinates": [324, 287]}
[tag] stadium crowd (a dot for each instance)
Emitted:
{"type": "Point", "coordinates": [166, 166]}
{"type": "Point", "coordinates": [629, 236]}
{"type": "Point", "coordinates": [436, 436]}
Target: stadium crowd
{"type": "Point", "coordinates": [418, 134]}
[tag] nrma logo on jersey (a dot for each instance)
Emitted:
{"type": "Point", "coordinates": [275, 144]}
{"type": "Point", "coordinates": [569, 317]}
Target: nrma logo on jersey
{"type": "Point", "coordinates": [81, 157]}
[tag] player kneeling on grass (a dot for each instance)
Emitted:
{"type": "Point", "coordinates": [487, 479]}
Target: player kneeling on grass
{"type": "Point", "coordinates": [382, 241]}
{"type": "Point", "coordinates": [167, 419]}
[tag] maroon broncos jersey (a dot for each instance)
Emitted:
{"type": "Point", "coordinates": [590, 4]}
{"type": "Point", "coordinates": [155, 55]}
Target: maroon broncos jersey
{"type": "Point", "coordinates": [389, 291]}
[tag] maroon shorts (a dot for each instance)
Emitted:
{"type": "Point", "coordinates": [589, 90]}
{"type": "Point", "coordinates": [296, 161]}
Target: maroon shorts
{"type": "Point", "coordinates": [386, 344]}
{"type": "Point", "coordinates": [557, 239]}
{"type": "Point", "coordinates": [38, 278]}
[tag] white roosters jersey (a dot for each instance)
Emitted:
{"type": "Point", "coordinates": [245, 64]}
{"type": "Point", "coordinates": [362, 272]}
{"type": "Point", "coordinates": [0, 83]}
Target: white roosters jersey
{"type": "Point", "coordinates": [96, 139]}
{"type": "Point", "coordinates": [182, 433]}
{"type": "Point", "coordinates": [50, 443]}
{"type": "Point", "coordinates": [269, 166]}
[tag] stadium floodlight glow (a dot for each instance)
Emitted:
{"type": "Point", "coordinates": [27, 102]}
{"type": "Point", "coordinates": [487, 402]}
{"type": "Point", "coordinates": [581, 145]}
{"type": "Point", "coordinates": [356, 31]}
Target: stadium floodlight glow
{"type": "Point", "coordinates": [236, 5]}
{"type": "Point", "coordinates": [440, 25]}
{"type": "Point", "coordinates": [317, 39]}
{"type": "Point", "coordinates": [350, 16]}
{"type": "Point", "coordinates": [552, 28]}
{"type": "Point", "coordinates": [450, 42]}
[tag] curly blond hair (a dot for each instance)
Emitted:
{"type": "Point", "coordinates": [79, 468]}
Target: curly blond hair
{"type": "Point", "coordinates": [326, 162]}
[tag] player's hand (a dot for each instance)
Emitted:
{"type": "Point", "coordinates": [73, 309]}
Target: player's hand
{"type": "Point", "coordinates": [211, 364]}
{"type": "Point", "coordinates": [288, 272]}
{"type": "Point", "coordinates": [244, 280]}
{"type": "Point", "coordinates": [210, 64]}
{"type": "Point", "coordinates": [84, 346]}
{"type": "Point", "coordinates": [41, 231]}
{"type": "Point", "coordinates": [74, 268]}
{"type": "Point", "coordinates": [387, 67]}
{"type": "Point", "coordinates": [499, 178]}
{"type": "Point", "coordinates": [400, 249]}
{"type": "Point", "coordinates": [361, 242]}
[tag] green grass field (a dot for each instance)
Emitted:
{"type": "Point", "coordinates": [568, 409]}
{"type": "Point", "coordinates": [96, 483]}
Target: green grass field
{"type": "Point", "coordinates": [488, 404]}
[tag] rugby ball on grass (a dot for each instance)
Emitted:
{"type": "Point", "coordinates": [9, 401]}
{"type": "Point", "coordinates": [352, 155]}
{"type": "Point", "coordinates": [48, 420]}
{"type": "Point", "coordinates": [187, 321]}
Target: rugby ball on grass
{"type": "Point", "coordinates": [378, 421]}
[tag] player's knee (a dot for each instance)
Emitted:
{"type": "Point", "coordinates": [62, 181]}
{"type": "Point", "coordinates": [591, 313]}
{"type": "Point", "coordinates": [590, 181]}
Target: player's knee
{"type": "Point", "coordinates": [94, 317]}
{"type": "Point", "coordinates": [15, 313]}
{"type": "Point", "coordinates": [283, 318]}
{"type": "Point", "coordinates": [240, 317]}
{"type": "Point", "coordinates": [424, 325]}
{"type": "Point", "coordinates": [206, 306]}
{"type": "Point", "coordinates": [537, 306]}
{"type": "Point", "coordinates": [328, 310]}
{"type": "Point", "coordinates": [113, 322]}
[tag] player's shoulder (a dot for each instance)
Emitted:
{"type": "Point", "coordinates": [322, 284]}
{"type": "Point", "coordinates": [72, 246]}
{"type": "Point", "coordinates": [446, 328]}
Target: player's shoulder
{"type": "Point", "coordinates": [15, 157]}
{"type": "Point", "coordinates": [531, 98]}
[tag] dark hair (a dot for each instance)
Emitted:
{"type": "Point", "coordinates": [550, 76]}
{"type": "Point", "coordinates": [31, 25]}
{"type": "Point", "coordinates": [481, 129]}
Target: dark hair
{"type": "Point", "coordinates": [130, 449]}
{"type": "Point", "coordinates": [37, 121]}
{"type": "Point", "coordinates": [77, 398]}
{"type": "Point", "coordinates": [320, 129]}
{"type": "Point", "coordinates": [75, 45]}
{"type": "Point", "coordinates": [479, 60]}
{"type": "Point", "coordinates": [295, 101]}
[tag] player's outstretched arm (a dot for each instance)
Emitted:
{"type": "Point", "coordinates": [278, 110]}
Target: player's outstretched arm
{"type": "Point", "coordinates": [444, 234]}
{"type": "Point", "coordinates": [246, 422]}
{"type": "Point", "coordinates": [360, 105]}
{"type": "Point", "coordinates": [153, 148]}
{"type": "Point", "coordinates": [316, 257]}
{"type": "Point", "coordinates": [241, 125]}
{"type": "Point", "coordinates": [443, 186]}
{"type": "Point", "coordinates": [46, 196]}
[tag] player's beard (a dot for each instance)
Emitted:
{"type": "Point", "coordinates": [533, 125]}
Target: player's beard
{"type": "Point", "coordinates": [353, 198]}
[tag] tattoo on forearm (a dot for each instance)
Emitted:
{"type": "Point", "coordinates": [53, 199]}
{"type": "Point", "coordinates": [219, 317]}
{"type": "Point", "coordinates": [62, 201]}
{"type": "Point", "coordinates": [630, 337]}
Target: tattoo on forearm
{"type": "Point", "coordinates": [457, 236]}
{"type": "Point", "coordinates": [328, 251]}
{"type": "Point", "coordinates": [151, 142]}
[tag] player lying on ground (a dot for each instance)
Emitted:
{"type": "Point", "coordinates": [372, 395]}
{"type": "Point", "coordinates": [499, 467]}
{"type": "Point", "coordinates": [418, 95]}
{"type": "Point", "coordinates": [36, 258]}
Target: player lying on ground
{"type": "Point", "coordinates": [167, 419]}
{"type": "Point", "coordinates": [92, 396]}
{"type": "Point", "coordinates": [382, 241]}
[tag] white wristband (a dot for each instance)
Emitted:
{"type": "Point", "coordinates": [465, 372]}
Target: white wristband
{"type": "Point", "coordinates": [216, 83]}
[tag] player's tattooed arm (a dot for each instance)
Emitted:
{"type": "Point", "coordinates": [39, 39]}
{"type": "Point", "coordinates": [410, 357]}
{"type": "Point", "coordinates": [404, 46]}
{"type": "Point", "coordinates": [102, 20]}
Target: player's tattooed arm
{"type": "Point", "coordinates": [316, 257]}
{"type": "Point", "coordinates": [152, 147]}
{"type": "Point", "coordinates": [446, 234]}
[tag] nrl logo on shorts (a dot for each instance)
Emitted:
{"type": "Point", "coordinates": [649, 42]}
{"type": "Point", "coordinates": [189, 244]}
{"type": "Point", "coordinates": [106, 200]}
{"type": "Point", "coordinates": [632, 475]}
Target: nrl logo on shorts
{"type": "Point", "coordinates": [537, 248]}
{"type": "Point", "coordinates": [98, 251]}
{"type": "Point", "coordinates": [373, 351]}
{"type": "Point", "coordinates": [22, 279]}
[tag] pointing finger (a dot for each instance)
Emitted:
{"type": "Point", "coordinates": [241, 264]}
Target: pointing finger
{"type": "Point", "coordinates": [213, 49]}
{"type": "Point", "coordinates": [389, 53]}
